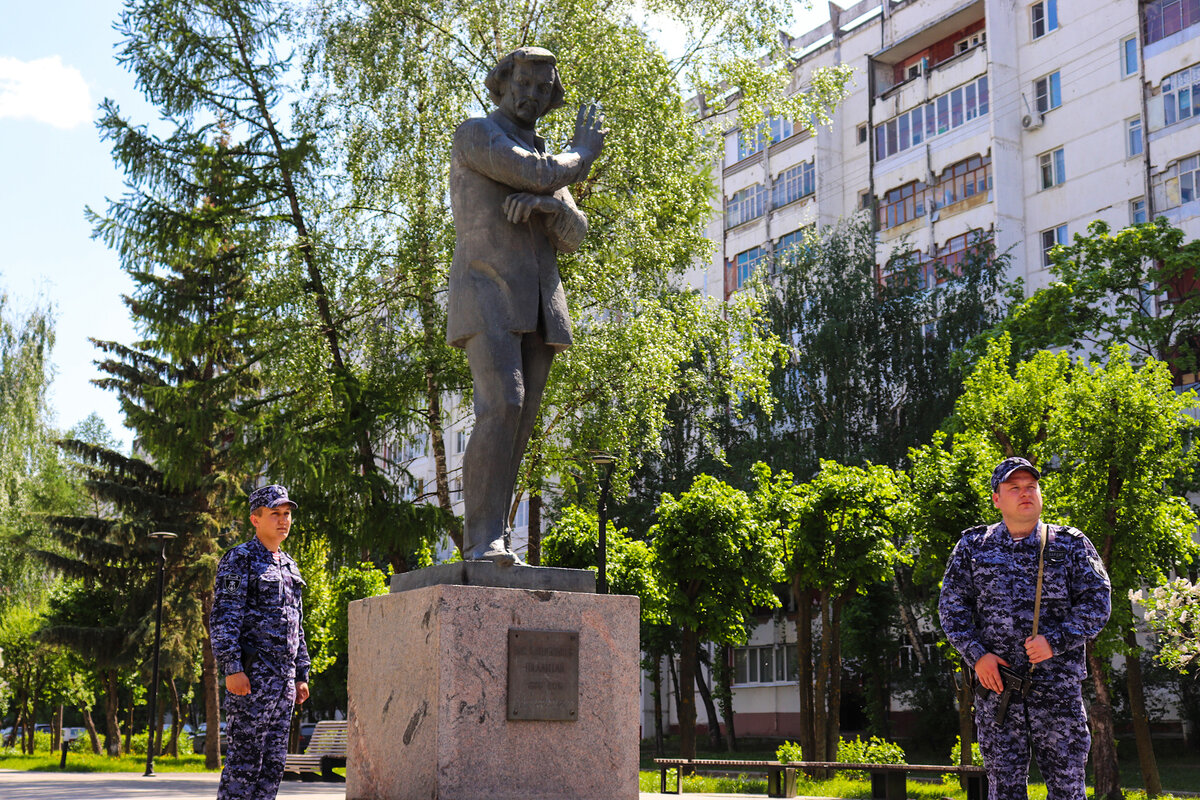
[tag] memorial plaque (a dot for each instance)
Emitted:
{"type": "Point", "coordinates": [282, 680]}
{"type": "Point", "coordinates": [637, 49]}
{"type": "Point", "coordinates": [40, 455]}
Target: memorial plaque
{"type": "Point", "coordinates": [543, 675]}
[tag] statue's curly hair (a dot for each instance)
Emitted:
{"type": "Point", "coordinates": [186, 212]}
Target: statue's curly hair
{"type": "Point", "coordinates": [502, 72]}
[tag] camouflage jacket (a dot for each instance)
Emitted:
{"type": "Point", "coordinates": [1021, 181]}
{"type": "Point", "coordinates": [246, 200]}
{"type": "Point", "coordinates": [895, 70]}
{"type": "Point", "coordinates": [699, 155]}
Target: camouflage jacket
{"type": "Point", "coordinates": [987, 598]}
{"type": "Point", "coordinates": [257, 611]}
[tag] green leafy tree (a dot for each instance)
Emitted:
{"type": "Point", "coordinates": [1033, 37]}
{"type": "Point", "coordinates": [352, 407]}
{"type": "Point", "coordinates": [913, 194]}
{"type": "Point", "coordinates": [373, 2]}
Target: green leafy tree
{"type": "Point", "coordinates": [836, 535]}
{"type": "Point", "coordinates": [716, 564]}
{"type": "Point", "coordinates": [26, 449]}
{"type": "Point", "coordinates": [1135, 286]}
{"type": "Point", "coordinates": [1111, 442]}
{"type": "Point", "coordinates": [870, 371]}
{"type": "Point", "coordinates": [945, 493]}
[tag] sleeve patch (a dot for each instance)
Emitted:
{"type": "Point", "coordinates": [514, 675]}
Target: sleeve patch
{"type": "Point", "coordinates": [228, 584]}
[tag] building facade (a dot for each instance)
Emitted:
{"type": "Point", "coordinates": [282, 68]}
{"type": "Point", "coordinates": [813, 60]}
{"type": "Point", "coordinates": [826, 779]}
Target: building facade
{"type": "Point", "coordinates": [1018, 121]}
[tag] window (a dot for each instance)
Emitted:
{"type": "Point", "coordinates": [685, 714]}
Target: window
{"type": "Point", "coordinates": [521, 520]}
{"type": "Point", "coordinates": [967, 178]}
{"type": "Point", "coordinates": [1047, 92]}
{"type": "Point", "coordinates": [1179, 184]}
{"type": "Point", "coordinates": [914, 70]}
{"type": "Point", "coordinates": [955, 251]}
{"type": "Point", "coordinates": [790, 247]}
{"type": "Point", "coordinates": [769, 664]}
{"type": "Point", "coordinates": [1133, 137]}
{"type": "Point", "coordinates": [795, 182]}
{"type": "Point", "coordinates": [903, 204]}
{"type": "Point", "coordinates": [747, 262]}
{"type": "Point", "coordinates": [1165, 18]}
{"type": "Point", "coordinates": [460, 440]}
{"type": "Point", "coordinates": [1053, 168]}
{"type": "Point", "coordinates": [1129, 57]}
{"type": "Point", "coordinates": [864, 199]}
{"type": "Point", "coordinates": [745, 205]}
{"type": "Point", "coordinates": [974, 40]}
{"type": "Point", "coordinates": [1137, 211]}
{"type": "Point", "coordinates": [939, 115]}
{"type": "Point", "coordinates": [1051, 238]}
{"type": "Point", "coordinates": [1181, 95]}
{"type": "Point", "coordinates": [1044, 17]}
{"type": "Point", "coordinates": [862, 133]}
{"type": "Point", "coordinates": [750, 142]}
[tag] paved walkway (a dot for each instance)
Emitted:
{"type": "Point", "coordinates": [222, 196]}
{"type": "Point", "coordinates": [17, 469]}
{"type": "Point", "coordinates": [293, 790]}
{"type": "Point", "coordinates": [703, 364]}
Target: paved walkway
{"type": "Point", "coordinates": [172, 786]}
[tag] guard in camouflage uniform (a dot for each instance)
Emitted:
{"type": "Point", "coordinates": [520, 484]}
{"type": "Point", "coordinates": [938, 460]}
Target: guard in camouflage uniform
{"type": "Point", "coordinates": [987, 611]}
{"type": "Point", "coordinates": [259, 645]}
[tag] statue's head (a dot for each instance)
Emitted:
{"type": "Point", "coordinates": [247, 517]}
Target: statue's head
{"type": "Point", "coordinates": [525, 85]}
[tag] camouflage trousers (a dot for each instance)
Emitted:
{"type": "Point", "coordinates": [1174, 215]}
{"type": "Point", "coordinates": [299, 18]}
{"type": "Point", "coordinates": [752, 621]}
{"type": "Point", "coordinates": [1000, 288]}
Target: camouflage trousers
{"type": "Point", "coordinates": [1052, 725]}
{"type": "Point", "coordinates": [257, 736]}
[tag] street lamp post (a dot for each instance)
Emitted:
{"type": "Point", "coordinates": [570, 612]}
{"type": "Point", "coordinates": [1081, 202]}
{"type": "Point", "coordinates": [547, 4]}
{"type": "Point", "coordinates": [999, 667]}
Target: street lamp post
{"type": "Point", "coordinates": [152, 725]}
{"type": "Point", "coordinates": [606, 461]}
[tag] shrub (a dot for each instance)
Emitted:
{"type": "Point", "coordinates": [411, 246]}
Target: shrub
{"type": "Point", "coordinates": [872, 751]}
{"type": "Point", "coordinates": [789, 751]}
{"type": "Point", "coordinates": [956, 754]}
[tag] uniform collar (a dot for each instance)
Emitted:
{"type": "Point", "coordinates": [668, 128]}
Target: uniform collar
{"type": "Point", "coordinates": [1032, 537]}
{"type": "Point", "coordinates": [255, 543]}
{"type": "Point", "coordinates": [530, 138]}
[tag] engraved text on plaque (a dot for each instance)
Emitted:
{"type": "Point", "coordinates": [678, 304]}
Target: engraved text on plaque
{"type": "Point", "coordinates": [543, 675]}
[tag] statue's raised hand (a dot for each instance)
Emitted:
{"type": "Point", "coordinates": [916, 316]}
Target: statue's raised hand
{"type": "Point", "coordinates": [589, 131]}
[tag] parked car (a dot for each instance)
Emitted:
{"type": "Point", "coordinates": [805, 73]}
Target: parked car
{"type": "Point", "coordinates": [201, 736]}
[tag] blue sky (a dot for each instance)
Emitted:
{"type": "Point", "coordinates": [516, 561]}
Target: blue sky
{"type": "Point", "coordinates": [57, 63]}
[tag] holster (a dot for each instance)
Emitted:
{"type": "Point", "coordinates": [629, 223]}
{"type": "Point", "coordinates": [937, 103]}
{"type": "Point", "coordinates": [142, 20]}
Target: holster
{"type": "Point", "coordinates": [1014, 683]}
{"type": "Point", "coordinates": [249, 656]}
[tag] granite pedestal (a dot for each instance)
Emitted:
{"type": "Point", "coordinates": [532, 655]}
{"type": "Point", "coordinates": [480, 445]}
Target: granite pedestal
{"type": "Point", "coordinates": [428, 696]}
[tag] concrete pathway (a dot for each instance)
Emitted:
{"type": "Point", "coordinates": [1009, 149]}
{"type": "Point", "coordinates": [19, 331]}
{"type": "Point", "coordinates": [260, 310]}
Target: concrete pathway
{"type": "Point", "coordinates": [176, 786]}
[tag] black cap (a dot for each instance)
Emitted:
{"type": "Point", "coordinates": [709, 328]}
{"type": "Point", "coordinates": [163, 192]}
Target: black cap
{"type": "Point", "coordinates": [1007, 467]}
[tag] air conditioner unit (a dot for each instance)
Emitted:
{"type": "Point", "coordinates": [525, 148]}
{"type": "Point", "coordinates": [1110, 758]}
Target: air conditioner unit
{"type": "Point", "coordinates": [1031, 122]}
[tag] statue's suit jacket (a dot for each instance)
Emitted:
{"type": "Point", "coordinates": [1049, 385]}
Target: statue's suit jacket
{"type": "Point", "coordinates": [503, 274]}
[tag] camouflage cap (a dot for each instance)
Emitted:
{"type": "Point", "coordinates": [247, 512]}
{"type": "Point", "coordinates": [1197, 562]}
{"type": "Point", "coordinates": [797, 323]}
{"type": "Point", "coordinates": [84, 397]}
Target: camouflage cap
{"type": "Point", "coordinates": [1007, 467]}
{"type": "Point", "coordinates": [270, 497]}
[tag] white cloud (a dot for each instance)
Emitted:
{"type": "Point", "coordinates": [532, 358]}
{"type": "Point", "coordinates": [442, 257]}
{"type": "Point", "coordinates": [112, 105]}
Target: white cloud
{"type": "Point", "coordinates": [43, 90]}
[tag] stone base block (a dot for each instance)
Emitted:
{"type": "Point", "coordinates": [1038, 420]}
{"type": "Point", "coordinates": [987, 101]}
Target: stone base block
{"type": "Point", "coordinates": [428, 697]}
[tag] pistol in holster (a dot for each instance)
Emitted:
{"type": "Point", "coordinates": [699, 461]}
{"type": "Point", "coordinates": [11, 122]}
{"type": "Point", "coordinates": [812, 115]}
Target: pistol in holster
{"type": "Point", "coordinates": [1014, 683]}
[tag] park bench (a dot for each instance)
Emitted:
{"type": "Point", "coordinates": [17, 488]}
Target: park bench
{"type": "Point", "coordinates": [326, 750]}
{"type": "Point", "coordinates": [888, 781]}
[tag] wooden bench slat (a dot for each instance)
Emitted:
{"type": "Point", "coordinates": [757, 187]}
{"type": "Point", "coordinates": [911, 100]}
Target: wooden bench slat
{"type": "Point", "coordinates": [888, 781]}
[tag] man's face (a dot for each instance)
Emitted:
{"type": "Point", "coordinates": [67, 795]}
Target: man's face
{"type": "Point", "coordinates": [1019, 499]}
{"type": "Point", "coordinates": [528, 92]}
{"type": "Point", "coordinates": [272, 525]}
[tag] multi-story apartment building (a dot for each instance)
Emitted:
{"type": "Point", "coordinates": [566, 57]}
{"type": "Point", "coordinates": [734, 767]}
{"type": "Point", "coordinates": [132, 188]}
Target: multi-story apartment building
{"type": "Point", "coordinates": [1022, 121]}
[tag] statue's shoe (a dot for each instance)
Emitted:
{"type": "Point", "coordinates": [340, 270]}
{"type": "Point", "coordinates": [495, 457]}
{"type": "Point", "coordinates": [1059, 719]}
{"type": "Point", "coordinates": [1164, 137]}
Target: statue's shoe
{"type": "Point", "coordinates": [494, 551]}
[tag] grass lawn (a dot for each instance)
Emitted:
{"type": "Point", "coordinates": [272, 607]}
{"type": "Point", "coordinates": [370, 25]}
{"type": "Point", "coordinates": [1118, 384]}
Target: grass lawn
{"type": "Point", "coordinates": [88, 762]}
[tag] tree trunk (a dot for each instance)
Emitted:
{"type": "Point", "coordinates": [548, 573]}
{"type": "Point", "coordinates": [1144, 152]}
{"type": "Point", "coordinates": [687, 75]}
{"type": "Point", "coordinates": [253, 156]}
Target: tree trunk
{"type": "Point", "coordinates": [723, 680]}
{"type": "Point", "coordinates": [1141, 720]}
{"type": "Point", "coordinates": [656, 677]}
{"type": "Point", "coordinates": [686, 701]}
{"type": "Point", "coordinates": [212, 699]}
{"type": "Point", "coordinates": [90, 724]}
{"type": "Point", "coordinates": [710, 708]}
{"type": "Point", "coordinates": [158, 726]}
{"type": "Point", "coordinates": [56, 730]}
{"type": "Point", "coordinates": [112, 710]}
{"type": "Point", "coordinates": [176, 720]}
{"type": "Point", "coordinates": [821, 686]}
{"type": "Point", "coordinates": [534, 553]}
{"type": "Point", "coordinates": [833, 721]}
{"type": "Point", "coordinates": [804, 668]}
{"type": "Point", "coordinates": [1107, 778]}
{"type": "Point", "coordinates": [674, 685]}
{"type": "Point", "coordinates": [129, 730]}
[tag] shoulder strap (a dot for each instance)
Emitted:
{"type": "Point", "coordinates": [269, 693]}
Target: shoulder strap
{"type": "Point", "coordinates": [1043, 535]}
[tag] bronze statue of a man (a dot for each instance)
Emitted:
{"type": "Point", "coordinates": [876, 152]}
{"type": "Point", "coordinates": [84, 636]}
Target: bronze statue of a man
{"type": "Point", "coordinates": [507, 308]}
